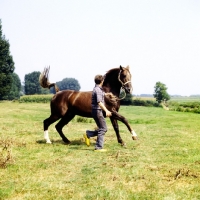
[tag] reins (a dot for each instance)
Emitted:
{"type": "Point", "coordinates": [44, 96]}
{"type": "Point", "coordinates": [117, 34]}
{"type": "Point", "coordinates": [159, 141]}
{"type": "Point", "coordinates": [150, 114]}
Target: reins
{"type": "Point", "coordinates": [124, 93]}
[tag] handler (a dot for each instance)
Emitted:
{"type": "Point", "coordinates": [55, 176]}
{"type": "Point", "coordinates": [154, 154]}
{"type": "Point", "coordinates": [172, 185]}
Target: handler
{"type": "Point", "coordinates": [97, 112]}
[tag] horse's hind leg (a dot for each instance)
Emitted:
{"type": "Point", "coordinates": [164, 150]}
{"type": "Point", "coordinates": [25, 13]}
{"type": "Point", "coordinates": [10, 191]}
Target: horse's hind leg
{"type": "Point", "coordinates": [46, 123]}
{"type": "Point", "coordinates": [59, 126]}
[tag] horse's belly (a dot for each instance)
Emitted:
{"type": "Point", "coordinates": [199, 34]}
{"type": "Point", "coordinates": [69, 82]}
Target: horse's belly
{"type": "Point", "coordinates": [83, 110]}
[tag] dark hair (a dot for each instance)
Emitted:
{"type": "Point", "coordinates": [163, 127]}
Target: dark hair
{"type": "Point", "coordinates": [98, 79]}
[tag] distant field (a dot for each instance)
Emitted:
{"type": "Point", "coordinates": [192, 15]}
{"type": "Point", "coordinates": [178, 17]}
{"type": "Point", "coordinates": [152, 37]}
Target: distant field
{"type": "Point", "coordinates": [145, 98]}
{"type": "Point", "coordinates": [178, 99]}
{"type": "Point", "coordinates": [185, 99]}
{"type": "Point", "coordinates": [162, 165]}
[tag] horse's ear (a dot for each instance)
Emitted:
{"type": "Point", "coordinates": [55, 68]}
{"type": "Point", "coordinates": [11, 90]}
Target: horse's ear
{"type": "Point", "coordinates": [121, 68]}
{"type": "Point", "coordinates": [127, 67]}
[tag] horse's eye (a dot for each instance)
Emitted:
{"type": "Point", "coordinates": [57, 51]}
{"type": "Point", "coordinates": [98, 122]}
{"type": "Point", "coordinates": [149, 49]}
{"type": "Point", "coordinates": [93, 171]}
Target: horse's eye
{"type": "Point", "coordinates": [123, 76]}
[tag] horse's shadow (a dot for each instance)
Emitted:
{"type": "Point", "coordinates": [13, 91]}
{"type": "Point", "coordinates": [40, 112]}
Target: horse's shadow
{"type": "Point", "coordinates": [74, 142]}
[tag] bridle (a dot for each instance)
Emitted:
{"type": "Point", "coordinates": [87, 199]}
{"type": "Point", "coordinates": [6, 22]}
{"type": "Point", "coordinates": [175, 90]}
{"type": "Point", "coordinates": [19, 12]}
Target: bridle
{"type": "Point", "coordinates": [123, 85]}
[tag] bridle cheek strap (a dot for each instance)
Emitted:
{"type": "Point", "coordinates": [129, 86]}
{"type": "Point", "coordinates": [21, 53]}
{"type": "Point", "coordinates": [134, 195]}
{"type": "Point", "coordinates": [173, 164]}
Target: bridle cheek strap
{"type": "Point", "coordinates": [123, 84]}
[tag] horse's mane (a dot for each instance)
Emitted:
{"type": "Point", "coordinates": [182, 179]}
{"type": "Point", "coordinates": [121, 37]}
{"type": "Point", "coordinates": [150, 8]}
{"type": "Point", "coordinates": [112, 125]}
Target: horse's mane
{"type": "Point", "coordinates": [109, 79]}
{"type": "Point", "coordinates": [111, 71]}
{"type": "Point", "coordinates": [111, 99]}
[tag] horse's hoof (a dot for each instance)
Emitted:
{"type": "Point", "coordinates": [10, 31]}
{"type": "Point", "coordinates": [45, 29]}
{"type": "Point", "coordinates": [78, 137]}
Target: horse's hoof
{"type": "Point", "coordinates": [135, 137]}
{"type": "Point", "coordinates": [48, 142]}
{"type": "Point", "coordinates": [66, 141]}
{"type": "Point", "coordinates": [123, 144]}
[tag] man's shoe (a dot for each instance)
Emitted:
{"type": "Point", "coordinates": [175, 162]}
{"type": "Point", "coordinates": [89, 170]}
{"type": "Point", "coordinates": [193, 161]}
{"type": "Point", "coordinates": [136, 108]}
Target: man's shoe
{"type": "Point", "coordinates": [100, 150]}
{"type": "Point", "coordinates": [87, 140]}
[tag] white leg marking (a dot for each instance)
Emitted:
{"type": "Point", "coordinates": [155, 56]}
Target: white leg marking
{"type": "Point", "coordinates": [134, 133]}
{"type": "Point", "coordinates": [46, 137]}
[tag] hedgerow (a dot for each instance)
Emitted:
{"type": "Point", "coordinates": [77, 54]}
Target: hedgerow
{"type": "Point", "coordinates": [172, 105]}
{"type": "Point", "coordinates": [141, 102]}
{"type": "Point", "coordinates": [36, 98]}
{"type": "Point", "coordinates": [193, 107]}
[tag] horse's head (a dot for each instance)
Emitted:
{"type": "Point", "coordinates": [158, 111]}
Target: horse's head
{"type": "Point", "coordinates": [124, 78]}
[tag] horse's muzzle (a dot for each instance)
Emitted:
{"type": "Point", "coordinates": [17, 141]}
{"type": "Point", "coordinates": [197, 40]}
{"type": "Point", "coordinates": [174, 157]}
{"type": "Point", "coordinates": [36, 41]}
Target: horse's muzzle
{"type": "Point", "coordinates": [128, 90]}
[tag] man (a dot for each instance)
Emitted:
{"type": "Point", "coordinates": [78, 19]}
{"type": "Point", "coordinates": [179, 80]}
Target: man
{"type": "Point", "coordinates": [97, 112]}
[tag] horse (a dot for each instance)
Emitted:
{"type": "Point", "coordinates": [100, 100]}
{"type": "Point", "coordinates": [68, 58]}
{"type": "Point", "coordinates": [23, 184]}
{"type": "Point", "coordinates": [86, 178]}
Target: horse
{"type": "Point", "coordinates": [68, 103]}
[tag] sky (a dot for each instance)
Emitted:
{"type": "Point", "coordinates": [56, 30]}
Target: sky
{"type": "Point", "coordinates": [158, 39]}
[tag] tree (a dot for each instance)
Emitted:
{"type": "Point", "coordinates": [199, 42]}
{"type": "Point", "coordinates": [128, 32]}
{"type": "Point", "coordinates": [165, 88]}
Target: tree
{"type": "Point", "coordinates": [6, 66]}
{"type": "Point", "coordinates": [67, 84]}
{"type": "Point", "coordinates": [32, 85]}
{"type": "Point", "coordinates": [15, 88]}
{"type": "Point", "coordinates": [161, 94]}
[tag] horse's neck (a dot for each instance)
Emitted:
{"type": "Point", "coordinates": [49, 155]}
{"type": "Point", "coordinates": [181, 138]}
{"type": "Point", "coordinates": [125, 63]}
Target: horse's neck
{"type": "Point", "coordinates": [115, 91]}
{"type": "Point", "coordinates": [111, 83]}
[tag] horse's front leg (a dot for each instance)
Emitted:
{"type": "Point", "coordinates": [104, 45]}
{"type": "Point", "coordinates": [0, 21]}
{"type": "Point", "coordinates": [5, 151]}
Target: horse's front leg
{"type": "Point", "coordinates": [116, 128]}
{"type": "Point", "coordinates": [119, 117]}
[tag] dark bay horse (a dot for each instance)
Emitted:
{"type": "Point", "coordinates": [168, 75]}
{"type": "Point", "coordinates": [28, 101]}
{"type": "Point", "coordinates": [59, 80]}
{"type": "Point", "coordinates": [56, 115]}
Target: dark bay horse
{"type": "Point", "coordinates": [68, 103]}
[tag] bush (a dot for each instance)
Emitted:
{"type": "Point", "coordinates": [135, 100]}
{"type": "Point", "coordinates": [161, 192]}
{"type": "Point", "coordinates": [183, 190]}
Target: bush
{"type": "Point", "coordinates": [148, 103]}
{"type": "Point", "coordinates": [196, 110]}
{"type": "Point", "coordinates": [180, 109]}
{"type": "Point", "coordinates": [193, 107]}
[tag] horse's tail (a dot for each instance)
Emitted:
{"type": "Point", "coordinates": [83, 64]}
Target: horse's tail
{"type": "Point", "coordinates": [44, 80]}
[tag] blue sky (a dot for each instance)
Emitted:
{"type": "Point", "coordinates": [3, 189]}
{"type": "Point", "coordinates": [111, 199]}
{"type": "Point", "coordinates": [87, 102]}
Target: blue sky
{"type": "Point", "coordinates": [158, 39]}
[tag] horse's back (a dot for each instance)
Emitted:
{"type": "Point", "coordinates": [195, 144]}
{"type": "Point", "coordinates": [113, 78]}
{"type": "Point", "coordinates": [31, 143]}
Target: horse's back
{"type": "Point", "coordinates": [74, 101]}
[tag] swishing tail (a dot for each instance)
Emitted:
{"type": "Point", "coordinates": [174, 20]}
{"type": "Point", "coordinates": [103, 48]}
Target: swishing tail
{"type": "Point", "coordinates": [44, 80]}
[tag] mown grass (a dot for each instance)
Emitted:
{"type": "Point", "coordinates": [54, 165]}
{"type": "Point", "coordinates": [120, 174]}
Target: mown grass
{"type": "Point", "coordinates": [163, 164]}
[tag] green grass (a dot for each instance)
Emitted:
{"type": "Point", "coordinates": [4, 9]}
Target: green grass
{"type": "Point", "coordinates": [163, 164]}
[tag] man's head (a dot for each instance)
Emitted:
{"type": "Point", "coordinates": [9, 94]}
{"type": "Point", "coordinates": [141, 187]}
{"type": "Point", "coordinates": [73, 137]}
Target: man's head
{"type": "Point", "coordinates": [98, 79]}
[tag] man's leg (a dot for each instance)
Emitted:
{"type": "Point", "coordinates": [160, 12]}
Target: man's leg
{"type": "Point", "coordinates": [101, 131]}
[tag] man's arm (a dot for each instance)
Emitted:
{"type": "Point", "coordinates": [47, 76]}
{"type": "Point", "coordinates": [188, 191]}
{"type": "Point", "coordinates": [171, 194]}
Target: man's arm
{"type": "Point", "coordinates": [108, 113]}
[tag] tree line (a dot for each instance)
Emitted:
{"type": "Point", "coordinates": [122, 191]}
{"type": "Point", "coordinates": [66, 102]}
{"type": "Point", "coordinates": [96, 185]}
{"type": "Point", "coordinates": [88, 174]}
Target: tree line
{"type": "Point", "coordinates": [10, 84]}
{"type": "Point", "coordinates": [11, 87]}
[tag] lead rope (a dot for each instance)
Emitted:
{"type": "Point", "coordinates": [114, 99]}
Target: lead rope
{"type": "Point", "coordinates": [122, 89]}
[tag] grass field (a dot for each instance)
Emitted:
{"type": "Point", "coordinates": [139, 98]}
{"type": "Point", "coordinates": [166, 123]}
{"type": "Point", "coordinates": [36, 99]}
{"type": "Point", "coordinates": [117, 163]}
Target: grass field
{"type": "Point", "coordinates": [163, 164]}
